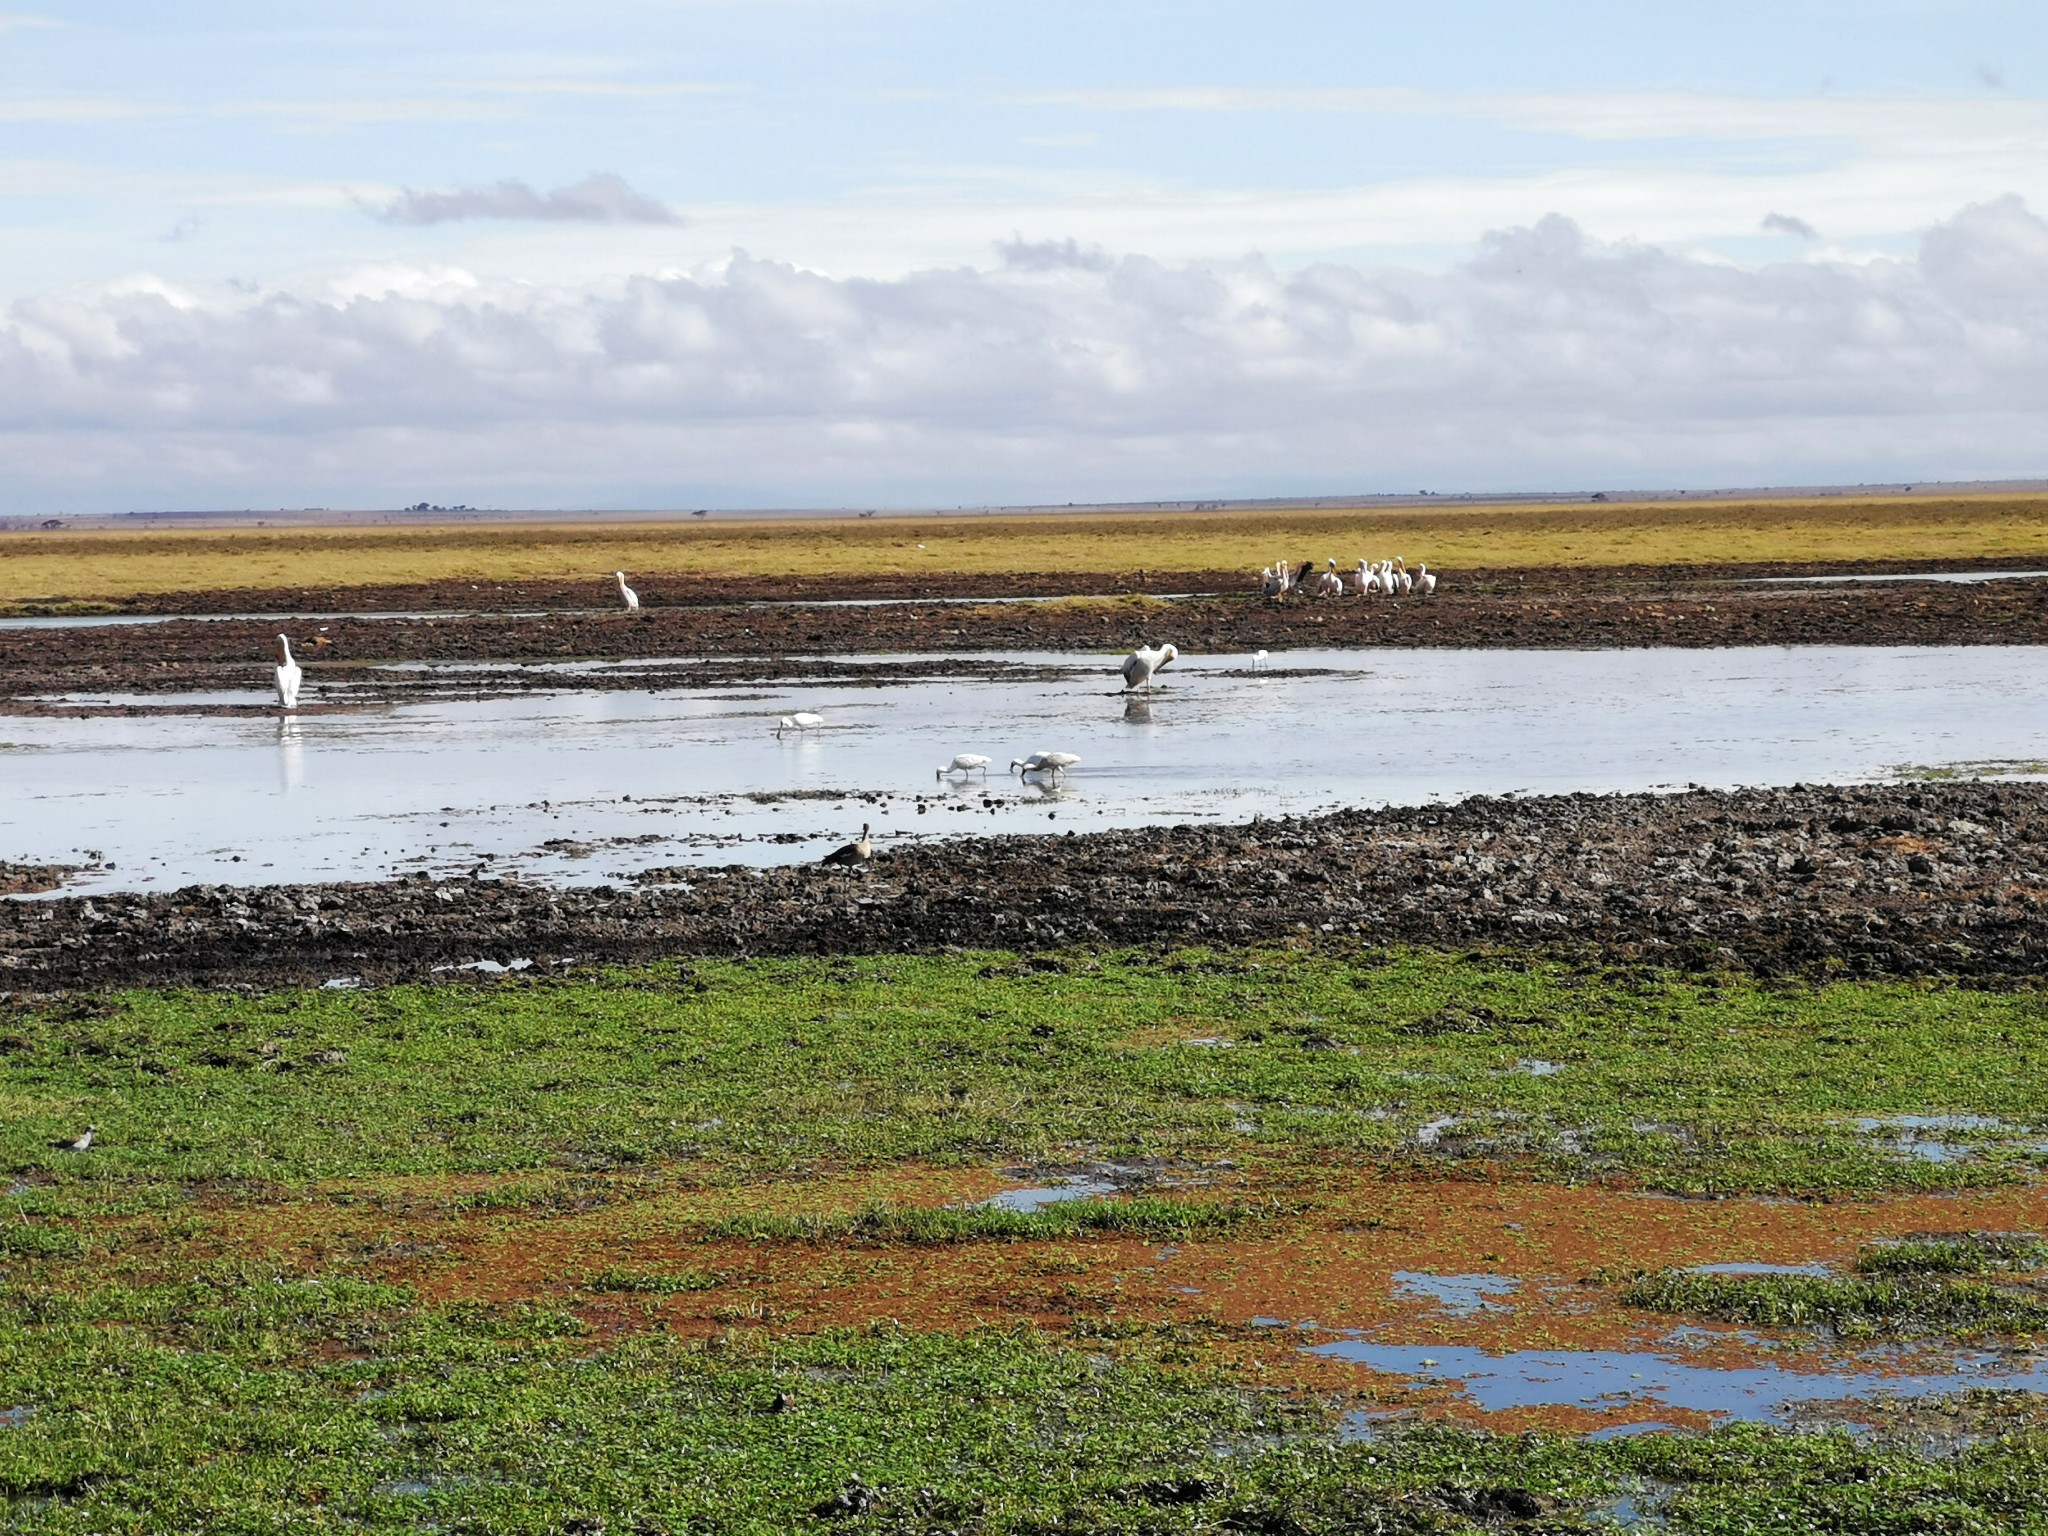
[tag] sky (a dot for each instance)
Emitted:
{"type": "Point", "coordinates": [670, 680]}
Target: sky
{"type": "Point", "coordinates": [738, 253]}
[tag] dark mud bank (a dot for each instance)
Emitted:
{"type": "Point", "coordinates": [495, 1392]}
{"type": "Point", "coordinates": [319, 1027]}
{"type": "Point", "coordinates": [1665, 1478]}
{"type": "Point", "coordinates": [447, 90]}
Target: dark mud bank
{"type": "Point", "coordinates": [1904, 880]}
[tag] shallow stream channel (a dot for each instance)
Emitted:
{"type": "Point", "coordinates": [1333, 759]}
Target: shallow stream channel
{"type": "Point", "coordinates": [584, 786]}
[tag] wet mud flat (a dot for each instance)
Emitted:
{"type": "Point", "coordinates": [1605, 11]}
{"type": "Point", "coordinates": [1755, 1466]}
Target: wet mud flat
{"type": "Point", "coordinates": [1543, 609]}
{"type": "Point", "coordinates": [1943, 878]}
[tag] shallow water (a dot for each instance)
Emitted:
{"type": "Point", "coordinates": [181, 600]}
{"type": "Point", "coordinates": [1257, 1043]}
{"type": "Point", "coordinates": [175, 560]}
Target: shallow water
{"type": "Point", "coordinates": [1614, 1381]}
{"type": "Point", "coordinates": [1460, 1295]}
{"type": "Point", "coordinates": [619, 781]}
{"type": "Point", "coordinates": [1952, 578]}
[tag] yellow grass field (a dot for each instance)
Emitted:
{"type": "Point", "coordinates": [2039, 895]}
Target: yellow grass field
{"type": "Point", "coordinates": [86, 567]}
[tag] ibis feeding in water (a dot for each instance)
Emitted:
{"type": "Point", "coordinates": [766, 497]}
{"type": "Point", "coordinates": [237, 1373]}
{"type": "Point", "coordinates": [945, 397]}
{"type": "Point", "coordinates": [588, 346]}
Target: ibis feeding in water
{"type": "Point", "coordinates": [1054, 763]}
{"type": "Point", "coordinates": [632, 598]}
{"type": "Point", "coordinates": [287, 675]}
{"type": "Point", "coordinates": [1144, 661]}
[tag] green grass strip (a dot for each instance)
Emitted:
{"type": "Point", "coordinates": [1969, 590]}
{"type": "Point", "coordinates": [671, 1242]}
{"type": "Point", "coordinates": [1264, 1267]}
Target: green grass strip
{"type": "Point", "coordinates": [1142, 1217]}
{"type": "Point", "coordinates": [1852, 1306]}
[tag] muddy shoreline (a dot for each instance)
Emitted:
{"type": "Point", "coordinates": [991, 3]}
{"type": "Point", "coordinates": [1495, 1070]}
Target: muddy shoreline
{"type": "Point", "coordinates": [1944, 879]}
{"type": "Point", "coordinates": [346, 657]}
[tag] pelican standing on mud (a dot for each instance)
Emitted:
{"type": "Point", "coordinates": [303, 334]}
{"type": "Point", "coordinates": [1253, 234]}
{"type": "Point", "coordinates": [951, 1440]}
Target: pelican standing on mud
{"type": "Point", "coordinates": [632, 598]}
{"type": "Point", "coordinates": [288, 675]}
{"type": "Point", "coordinates": [1143, 662]}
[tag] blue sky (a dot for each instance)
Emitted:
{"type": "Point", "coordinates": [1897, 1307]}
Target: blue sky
{"type": "Point", "coordinates": [1231, 229]}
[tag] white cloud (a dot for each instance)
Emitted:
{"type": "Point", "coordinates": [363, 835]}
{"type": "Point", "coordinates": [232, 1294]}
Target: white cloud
{"type": "Point", "coordinates": [597, 199]}
{"type": "Point", "coordinates": [1547, 358]}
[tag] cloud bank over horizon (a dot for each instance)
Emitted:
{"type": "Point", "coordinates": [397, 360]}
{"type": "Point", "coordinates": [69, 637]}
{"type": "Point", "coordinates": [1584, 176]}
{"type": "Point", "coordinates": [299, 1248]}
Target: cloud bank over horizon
{"type": "Point", "coordinates": [1057, 373]}
{"type": "Point", "coordinates": [599, 198]}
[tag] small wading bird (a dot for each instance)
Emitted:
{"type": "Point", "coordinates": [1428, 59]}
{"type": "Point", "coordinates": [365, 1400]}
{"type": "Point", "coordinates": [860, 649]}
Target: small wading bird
{"type": "Point", "coordinates": [1144, 661]}
{"type": "Point", "coordinates": [1054, 763]}
{"type": "Point", "coordinates": [632, 598]}
{"type": "Point", "coordinates": [852, 853]}
{"type": "Point", "coordinates": [287, 675]}
{"type": "Point", "coordinates": [802, 720]}
{"type": "Point", "coordinates": [1258, 661]}
{"type": "Point", "coordinates": [966, 762]}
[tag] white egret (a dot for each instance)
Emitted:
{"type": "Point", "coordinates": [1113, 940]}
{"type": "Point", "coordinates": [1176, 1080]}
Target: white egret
{"type": "Point", "coordinates": [966, 762]}
{"type": "Point", "coordinates": [802, 720]}
{"type": "Point", "coordinates": [1258, 661]}
{"type": "Point", "coordinates": [288, 675]}
{"type": "Point", "coordinates": [632, 598]}
{"type": "Point", "coordinates": [852, 853]}
{"type": "Point", "coordinates": [1143, 662]}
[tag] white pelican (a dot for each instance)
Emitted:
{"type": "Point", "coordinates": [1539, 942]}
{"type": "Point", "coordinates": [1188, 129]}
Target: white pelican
{"type": "Point", "coordinates": [1363, 580]}
{"type": "Point", "coordinates": [1425, 581]}
{"type": "Point", "coordinates": [1330, 584]}
{"type": "Point", "coordinates": [288, 675]}
{"type": "Point", "coordinates": [1143, 662]}
{"type": "Point", "coordinates": [1271, 582]}
{"type": "Point", "coordinates": [1284, 577]}
{"type": "Point", "coordinates": [802, 720]}
{"type": "Point", "coordinates": [632, 598]}
{"type": "Point", "coordinates": [1054, 763]}
{"type": "Point", "coordinates": [852, 853]}
{"type": "Point", "coordinates": [966, 762]}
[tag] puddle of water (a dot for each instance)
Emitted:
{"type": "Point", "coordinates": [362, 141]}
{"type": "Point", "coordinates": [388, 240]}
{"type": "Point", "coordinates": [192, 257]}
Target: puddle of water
{"type": "Point", "coordinates": [1951, 578]}
{"type": "Point", "coordinates": [1460, 1295]}
{"type": "Point", "coordinates": [1051, 1194]}
{"type": "Point", "coordinates": [1428, 1135]}
{"type": "Point", "coordinates": [442, 784]}
{"type": "Point", "coordinates": [1610, 1381]}
{"type": "Point", "coordinates": [1818, 1271]}
{"type": "Point", "coordinates": [1904, 1134]}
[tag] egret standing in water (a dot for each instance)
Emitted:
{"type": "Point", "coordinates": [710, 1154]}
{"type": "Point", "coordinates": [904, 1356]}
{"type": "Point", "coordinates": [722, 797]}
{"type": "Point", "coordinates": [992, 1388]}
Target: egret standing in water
{"type": "Point", "coordinates": [288, 675]}
{"type": "Point", "coordinates": [1143, 662]}
{"type": "Point", "coordinates": [632, 598]}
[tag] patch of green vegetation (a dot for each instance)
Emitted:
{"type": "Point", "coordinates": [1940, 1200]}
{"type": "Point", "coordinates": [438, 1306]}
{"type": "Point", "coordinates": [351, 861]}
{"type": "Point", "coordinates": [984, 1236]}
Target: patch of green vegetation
{"type": "Point", "coordinates": [250, 1400]}
{"type": "Point", "coordinates": [1142, 1217]}
{"type": "Point", "coordinates": [1954, 1253]}
{"type": "Point", "coordinates": [1682, 1082]}
{"type": "Point", "coordinates": [675, 1282]}
{"type": "Point", "coordinates": [1851, 1307]}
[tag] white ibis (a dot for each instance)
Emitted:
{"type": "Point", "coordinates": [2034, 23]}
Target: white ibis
{"type": "Point", "coordinates": [288, 675]}
{"type": "Point", "coordinates": [852, 853]}
{"type": "Point", "coordinates": [802, 720]}
{"type": "Point", "coordinates": [1144, 661]}
{"type": "Point", "coordinates": [966, 762]}
{"type": "Point", "coordinates": [1054, 763]}
{"type": "Point", "coordinates": [632, 598]}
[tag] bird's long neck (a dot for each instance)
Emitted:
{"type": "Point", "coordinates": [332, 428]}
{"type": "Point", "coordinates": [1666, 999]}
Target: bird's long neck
{"type": "Point", "coordinates": [284, 651]}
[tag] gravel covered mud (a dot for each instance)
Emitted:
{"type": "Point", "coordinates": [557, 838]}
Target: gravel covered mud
{"type": "Point", "coordinates": [1919, 879]}
{"type": "Point", "coordinates": [1551, 609]}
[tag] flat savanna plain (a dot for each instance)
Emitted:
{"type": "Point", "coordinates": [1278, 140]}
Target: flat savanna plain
{"type": "Point", "coordinates": [131, 568]}
{"type": "Point", "coordinates": [685, 1235]}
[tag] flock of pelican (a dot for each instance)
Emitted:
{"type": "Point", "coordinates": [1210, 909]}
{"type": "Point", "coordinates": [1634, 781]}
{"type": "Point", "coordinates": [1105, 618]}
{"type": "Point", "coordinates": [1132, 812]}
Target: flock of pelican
{"type": "Point", "coordinates": [1373, 578]}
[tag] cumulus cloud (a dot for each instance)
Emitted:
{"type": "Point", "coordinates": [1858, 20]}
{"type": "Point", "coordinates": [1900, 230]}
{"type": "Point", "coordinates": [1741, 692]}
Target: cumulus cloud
{"type": "Point", "coordinates": [1788, 224]}
{"type": "Point", "coordinates": [597, 199]}
{"type": "Point", "coordinates": [1547, 358]}
{"type": "Point", "coordinates": [1052, 255]}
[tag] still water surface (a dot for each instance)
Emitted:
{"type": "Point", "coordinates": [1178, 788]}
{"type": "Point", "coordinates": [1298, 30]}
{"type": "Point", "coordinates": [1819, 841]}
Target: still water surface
{"type": "Point", "coordinates": [697, 776]}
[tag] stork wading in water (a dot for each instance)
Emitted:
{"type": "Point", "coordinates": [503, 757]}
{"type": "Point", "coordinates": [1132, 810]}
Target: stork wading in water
{"type": "Point", "coordinates": [1054, 763]}
{"type": "Point", "coordinates": [631, 597]}
{"type": "Point", "coordinates": [966, 762]}
{"type": "Point", "coordinates": [1143, 662]}
{"type": "Point", "coordinates": [802, 720]}
{"type": "Point", "coordinates": [852, 855]}
{"type": "Point", "coordinates": [288, 676]}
